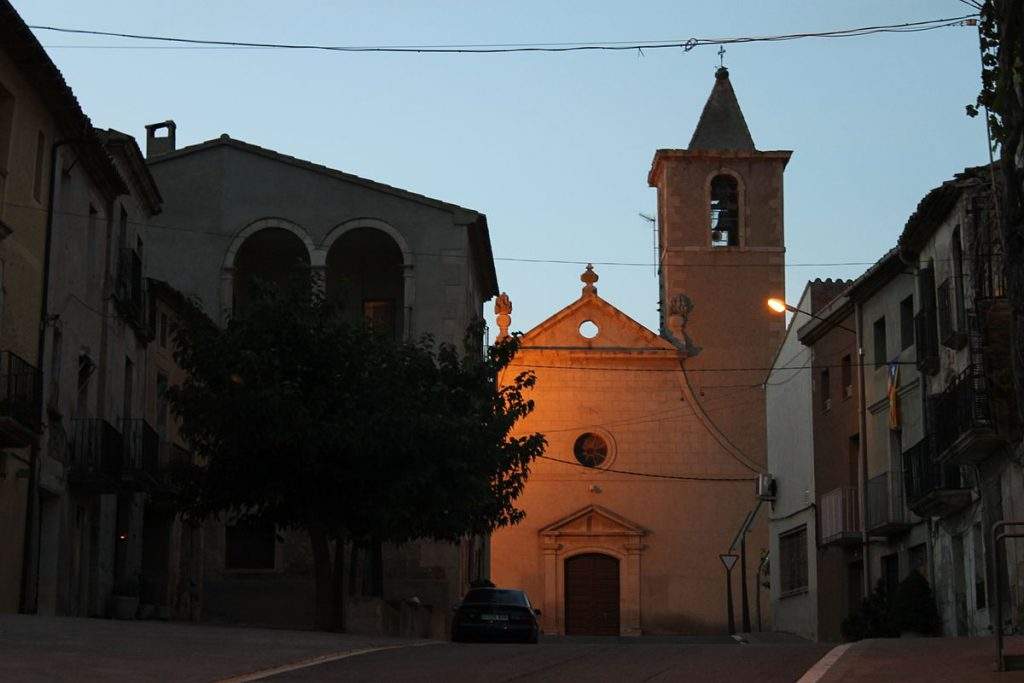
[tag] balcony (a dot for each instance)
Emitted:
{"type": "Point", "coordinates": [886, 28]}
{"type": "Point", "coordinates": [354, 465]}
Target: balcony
{"type": "Point", "coordinates": [886, 515]}
{"type": "Point", "coordinates": [20, 384]}
{"type": "Point", "coordinates": [141, 448]}
{"type": "Point", "coordinates": [934, 489]}
{"type": "Point", "coordinates": [926, 341]}
{"type": "Point", "coordinates": [839, 516]}
{"type": "Point", "coordinates": [961, 419]}
{"type": "Point", "coordinates": [95, 451]}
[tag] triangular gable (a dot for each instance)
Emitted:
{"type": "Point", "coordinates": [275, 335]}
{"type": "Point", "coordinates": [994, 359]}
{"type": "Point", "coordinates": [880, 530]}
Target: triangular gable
{"type": "Point", "coordinates": [616, 330]}
{"type": "Point", "coordinates": [593, 520]}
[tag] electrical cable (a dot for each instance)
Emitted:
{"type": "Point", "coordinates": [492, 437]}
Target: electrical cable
{"type": "Point", "coordinates": [685, 45]}
{"type": "Point", "coordinates": [650, 474]}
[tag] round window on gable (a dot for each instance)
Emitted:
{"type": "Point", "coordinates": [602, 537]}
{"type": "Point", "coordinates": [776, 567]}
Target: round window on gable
{"type": "Point", "coordinates": [588, 329]}
{"type": "Point", "coordinates": [590, 449]}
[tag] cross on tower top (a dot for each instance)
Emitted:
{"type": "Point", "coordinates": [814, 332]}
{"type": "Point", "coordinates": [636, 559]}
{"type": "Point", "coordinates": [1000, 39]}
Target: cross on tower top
{"type": "Point", "coordinates": [721, 56]}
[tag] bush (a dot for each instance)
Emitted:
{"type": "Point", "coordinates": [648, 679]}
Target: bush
{"type": "Point", "coordinates": [871, 620]}
{"type": "Point", "coordinates": [913, 607]}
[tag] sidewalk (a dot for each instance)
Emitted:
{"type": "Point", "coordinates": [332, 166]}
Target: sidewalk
{"type": "Point", "coordinates": [935, 660]}
{"type": "Point", "coordinates": [66, 649]}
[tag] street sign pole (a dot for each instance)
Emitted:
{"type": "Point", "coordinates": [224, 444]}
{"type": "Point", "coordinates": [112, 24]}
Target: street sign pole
{"type": "Point", "coordinates": [729, 561]}
{"type": "Point", "coordinates": [744, 600]}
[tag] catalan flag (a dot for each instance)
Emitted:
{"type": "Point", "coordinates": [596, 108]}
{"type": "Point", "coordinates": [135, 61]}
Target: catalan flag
{"type": "Point", "coordinates": [894, 396]}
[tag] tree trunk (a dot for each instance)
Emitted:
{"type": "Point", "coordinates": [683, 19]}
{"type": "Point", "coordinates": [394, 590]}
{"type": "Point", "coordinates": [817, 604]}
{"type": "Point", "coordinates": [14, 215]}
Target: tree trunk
{"type": "Point", "coordinates": [326, 613]}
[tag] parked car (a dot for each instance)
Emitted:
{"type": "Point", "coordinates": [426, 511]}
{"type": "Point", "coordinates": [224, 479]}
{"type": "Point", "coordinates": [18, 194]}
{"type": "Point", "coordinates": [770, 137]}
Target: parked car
{"type": "Point", "coordinates": [502, 614]}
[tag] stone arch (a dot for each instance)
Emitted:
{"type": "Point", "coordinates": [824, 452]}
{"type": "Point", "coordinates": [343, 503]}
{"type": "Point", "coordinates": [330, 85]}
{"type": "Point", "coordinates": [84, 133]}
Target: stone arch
{"type": "Point", "coordinates": [297, 244]}
{"type": "Point", "coordinates": [377, 277]}
{"type": "Point", "coordinates": [741, 200]}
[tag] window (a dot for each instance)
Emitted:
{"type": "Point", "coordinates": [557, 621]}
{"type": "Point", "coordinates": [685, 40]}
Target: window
{"type": "Point", "coordinates": [980, 601]}
{"type": "Point", "coordinates": [161, 405]}
{"type": "Point", "coordinates": [85, 370]}
{"type": "Point", "coordinates": [853, 460]}
{"type": "Point", "coordinates": [380, 316]}
{"type": "Point", "coordinates": [880, 343]}
{"type": "Point", "coordinates": [958, 280]}
{"type": "Point", "coordinates": [249, 545]}
{"type": "Point", "coordinates": [6, 120]}
{"type": "Point", "coordinates": [163, 330]}
{"type": "Point", "coordinates": [590, 449]}
{"type": "Point", "coordinates": [918, 559]}
{"type": "Point", "coordinates": [724, 210]}
{"type": "Point", "coordinates": [907, 323]}
{"type": "Point", "coordinates": [55, 368]}
{"type": "Point", "coordinates": [847, 370]}
{"type": "Point", "coordinates": [793, 560]}
{"type": "Point", "coordinates": [37, 179]}
{"type": "Point", "coordinates": [129, 381]}
{"type": "Point", "coordinates": [122, 229]}
{"type": "Point", "coordinates": [826, 391]}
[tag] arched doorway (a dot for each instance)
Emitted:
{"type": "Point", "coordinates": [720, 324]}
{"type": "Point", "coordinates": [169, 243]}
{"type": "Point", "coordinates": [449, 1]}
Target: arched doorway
{"type": "Point", "coordinates": [365, 272]}
{"type": "Point", "coordinates": [270, 255]}
{"type": "Point", "coordinates": [592, 595]}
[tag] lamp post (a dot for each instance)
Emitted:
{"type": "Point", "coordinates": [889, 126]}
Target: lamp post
{"type": "Point", "coordinates": [780, 306]}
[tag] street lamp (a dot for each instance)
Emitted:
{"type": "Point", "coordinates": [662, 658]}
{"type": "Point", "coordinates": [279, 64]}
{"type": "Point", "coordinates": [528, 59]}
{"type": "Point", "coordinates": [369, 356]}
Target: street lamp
{"type": "Point", "coordinates": [780, 306]}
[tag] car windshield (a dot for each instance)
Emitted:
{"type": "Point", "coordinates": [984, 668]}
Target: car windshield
{"type": "Point", "coordinates": [496, 596]}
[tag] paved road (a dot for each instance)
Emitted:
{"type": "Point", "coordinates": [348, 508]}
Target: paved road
{"type": "Point", "coordinates": [570, 659]}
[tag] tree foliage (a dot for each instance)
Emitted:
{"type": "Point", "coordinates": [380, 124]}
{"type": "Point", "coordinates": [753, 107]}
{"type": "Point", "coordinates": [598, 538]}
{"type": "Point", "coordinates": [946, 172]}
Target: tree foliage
{"type": "Point", "coordinates": [305, 419]}
{"type": "Point", "coordinates": [1002, 98]}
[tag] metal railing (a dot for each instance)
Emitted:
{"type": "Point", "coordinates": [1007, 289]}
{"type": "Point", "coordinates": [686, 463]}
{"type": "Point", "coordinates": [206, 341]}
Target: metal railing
{"type": "Point", "coordinates": [839, 514]}
{"type": "Point", "coordinates": [960, 408]}
{"type": "Point", "coordinates": [141, 446]}
{"type": "Point", "coordinates": [923, 475]}
{"type": "Point", "coordinates": [95, 447]}
{"type": "Point", "coordinates": [885, 506]}
{"type": "Point", "coordinates": [20, 385]}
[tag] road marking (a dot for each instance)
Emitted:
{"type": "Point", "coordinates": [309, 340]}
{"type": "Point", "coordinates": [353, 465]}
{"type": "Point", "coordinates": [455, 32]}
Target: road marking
{"type": "Point", "coordinates": [316, 661]}
{"type": "Point", "coordinates": [818, 671]}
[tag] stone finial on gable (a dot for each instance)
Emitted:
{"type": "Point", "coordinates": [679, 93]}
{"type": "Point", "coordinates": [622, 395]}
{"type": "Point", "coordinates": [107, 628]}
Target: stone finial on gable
{"type": "Point", "coordinates": [503, 309]}
{"type": "Point", "coordinates": [588, 278]}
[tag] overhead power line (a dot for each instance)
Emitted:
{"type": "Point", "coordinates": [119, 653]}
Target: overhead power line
{"type": "Point", "coordinates": [683, 44]}
{"type": "Point", "coordinates": [651, 475]}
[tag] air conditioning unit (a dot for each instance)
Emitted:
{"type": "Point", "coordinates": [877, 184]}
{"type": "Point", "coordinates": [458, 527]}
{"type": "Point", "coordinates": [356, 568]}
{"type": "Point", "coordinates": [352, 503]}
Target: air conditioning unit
{"type": "Point", "coordinates": [765, 487]}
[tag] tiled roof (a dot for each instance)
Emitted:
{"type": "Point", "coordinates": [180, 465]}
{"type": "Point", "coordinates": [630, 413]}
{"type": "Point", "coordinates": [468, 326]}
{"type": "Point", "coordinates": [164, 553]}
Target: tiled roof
{"type": "Point", "coordinates": [721, 124]}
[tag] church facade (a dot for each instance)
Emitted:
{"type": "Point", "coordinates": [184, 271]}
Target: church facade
{"type": "Point", "coordinates": [656, 442]}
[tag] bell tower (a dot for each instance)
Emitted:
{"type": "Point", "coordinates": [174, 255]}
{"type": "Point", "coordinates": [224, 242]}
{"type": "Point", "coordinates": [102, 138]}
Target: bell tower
{"type": "Point", "coordinates": [721, 252]}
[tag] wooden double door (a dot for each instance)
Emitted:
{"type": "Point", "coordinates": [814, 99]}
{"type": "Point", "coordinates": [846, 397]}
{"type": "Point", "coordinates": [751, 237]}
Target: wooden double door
{"type": "Point", "coordinates": [592, 595]}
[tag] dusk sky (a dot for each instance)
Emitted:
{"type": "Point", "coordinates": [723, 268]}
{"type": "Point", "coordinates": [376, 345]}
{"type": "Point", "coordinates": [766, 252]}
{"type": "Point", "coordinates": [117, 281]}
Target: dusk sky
{"type": "Point", "coordinates": [555, 148]}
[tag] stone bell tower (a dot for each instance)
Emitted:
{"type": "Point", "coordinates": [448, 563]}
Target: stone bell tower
{"type": "Point", "coordinates": [721, 252]}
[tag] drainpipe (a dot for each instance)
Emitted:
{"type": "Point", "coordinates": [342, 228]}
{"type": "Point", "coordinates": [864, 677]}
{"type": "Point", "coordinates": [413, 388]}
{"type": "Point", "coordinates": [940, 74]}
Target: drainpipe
{"type": "Point", "coordinates": [862, 454]}
{"type": "Point", "coordinates": [44, 321]}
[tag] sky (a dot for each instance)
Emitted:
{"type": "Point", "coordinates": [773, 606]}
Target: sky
{"type": "Point", "coordinates": [555, 148]}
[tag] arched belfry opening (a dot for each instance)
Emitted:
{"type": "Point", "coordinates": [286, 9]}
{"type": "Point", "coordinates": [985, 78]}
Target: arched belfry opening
{"type": "Point", "coordinates": [724, 210]}
{"type": "Point", "coordinates": [365, 271]}
{"type": "Point", "coordinates": [272, 256]}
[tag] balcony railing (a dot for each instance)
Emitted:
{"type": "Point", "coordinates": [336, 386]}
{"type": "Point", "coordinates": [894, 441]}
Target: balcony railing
{"type": "Point", "coordinates": [96, 452]}
{"type": "Point", "coordinates": [141, 446]}
{"type": "Point", "coordinates": [20, 384]}
{"type": "Point", "coordinates": [839, 516]}
{"type": "Point", "coordinates": [926, 341]}
{"type": "Point", "coordinates": [886, 514]}
{"type": "Point", "coordinates": [961, 419]}
{"type": "Point", "coordinates": [933, 488]}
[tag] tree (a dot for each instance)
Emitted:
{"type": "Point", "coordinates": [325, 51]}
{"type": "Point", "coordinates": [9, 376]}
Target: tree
{"type": "Point", "coordinates": [307, 420]}
{"type": "Point", "coordinates": [1002, 98]}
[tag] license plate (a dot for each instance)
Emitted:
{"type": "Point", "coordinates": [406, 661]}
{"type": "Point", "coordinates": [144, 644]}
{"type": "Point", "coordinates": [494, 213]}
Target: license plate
{"type": "Point", "coordinates": [494, 617]}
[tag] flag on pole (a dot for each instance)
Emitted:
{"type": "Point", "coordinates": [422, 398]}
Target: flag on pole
{"type": "Point", "coordinates": [894, 396]}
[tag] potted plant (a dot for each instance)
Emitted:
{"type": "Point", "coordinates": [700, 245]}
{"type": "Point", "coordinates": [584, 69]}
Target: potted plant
{"type": "Point", "coordinates": [124, 603]}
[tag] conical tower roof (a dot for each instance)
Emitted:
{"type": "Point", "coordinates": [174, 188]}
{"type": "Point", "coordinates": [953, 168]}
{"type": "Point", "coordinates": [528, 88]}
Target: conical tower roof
{"type": "Point", "coordinates": [721, 124]}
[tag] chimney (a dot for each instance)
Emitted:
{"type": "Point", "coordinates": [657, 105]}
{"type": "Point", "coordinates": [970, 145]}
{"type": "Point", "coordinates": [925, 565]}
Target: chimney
{"type": "Point", "coordinates": [159, 144]}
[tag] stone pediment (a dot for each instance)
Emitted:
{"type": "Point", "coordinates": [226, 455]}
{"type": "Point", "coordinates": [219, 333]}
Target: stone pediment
{"type": "Point", "coordinates": [615, 329]}
{"type": "Point", "coordinates": [593, 520]}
